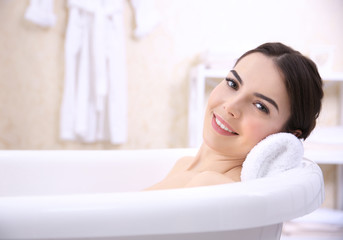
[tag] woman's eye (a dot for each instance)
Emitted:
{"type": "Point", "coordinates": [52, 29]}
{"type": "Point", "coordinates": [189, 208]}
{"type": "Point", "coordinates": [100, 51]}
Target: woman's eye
{"type": "Point", "coordinates": [262, 107]}
{"type": "Point", "coordinates": [231, 83]}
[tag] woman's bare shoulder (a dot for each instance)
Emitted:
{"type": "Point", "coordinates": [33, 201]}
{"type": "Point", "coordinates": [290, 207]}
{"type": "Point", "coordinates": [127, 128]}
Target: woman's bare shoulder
{"type": "Point", "coordinates": [182, 164]}
{"type": "Point", "coordinates": [177, 177]}
{"type": "Point", "coordinates": [207, 178]}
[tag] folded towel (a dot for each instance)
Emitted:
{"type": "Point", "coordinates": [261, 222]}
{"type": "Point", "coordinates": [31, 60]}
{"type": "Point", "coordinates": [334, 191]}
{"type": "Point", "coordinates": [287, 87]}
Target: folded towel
{"type": "Point", "coordinates": [274, 154]}
{"type": "Point", "coordinates": [41, 13]}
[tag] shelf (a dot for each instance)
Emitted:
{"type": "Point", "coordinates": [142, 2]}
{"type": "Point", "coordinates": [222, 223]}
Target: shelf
{"type": "Point", "coordinates": [221, 73]}
{"type": "Point", "coordinates": [332, 76]}
{"type": "Point", "coordinates": [327, 135]}
{"type": "Point", "coordinates": [324, 153]}
{"type": "Point", "coordinates": [321, 224]}
{"type": "Point", "coordinates": [325, 145]}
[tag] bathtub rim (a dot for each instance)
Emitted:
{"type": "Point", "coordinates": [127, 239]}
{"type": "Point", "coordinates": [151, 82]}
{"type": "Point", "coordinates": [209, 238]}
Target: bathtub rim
{"type": "Point", "coordinates": [41, 208]}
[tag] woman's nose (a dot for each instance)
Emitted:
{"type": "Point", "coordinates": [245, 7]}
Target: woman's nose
{"type": "Point", "coordinates": [232, 108]}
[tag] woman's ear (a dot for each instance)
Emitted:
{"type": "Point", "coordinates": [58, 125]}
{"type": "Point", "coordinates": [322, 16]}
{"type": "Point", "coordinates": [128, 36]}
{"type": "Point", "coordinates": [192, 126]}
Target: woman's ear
{"type": "Point", "coordinates": [297, 133]}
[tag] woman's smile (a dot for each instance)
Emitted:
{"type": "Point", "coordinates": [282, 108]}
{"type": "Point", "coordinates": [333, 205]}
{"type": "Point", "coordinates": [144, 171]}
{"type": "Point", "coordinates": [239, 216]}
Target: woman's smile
{"type": "Point", "coordinates": [222, 127]}
{"type": "Point", "coordinates": [246, 110]}
{"type": "Point", "coordinates": [256, 99]}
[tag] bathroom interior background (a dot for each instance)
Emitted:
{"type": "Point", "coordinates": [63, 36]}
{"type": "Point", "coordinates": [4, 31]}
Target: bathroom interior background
{"type": "Point", "coordinates": [158, 65]}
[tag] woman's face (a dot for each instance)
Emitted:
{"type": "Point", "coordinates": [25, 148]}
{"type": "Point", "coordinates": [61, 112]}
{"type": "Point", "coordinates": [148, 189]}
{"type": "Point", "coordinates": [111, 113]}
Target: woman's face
{"type": "Point", "coordinates": [250, 104]}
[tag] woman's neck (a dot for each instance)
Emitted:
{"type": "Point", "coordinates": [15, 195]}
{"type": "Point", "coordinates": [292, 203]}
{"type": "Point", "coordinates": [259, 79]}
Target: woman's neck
{"type": "Point", "coordinates": [207, 159]}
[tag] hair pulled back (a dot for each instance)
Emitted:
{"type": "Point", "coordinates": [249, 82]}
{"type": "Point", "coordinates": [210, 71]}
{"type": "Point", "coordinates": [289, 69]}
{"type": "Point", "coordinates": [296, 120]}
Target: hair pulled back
{"type": "Point", "coordinates": [303, 84]}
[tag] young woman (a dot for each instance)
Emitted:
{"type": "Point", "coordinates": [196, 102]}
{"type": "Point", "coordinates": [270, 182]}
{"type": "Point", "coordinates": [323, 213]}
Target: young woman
{"type": "Point", "coordinates": [271, 89]}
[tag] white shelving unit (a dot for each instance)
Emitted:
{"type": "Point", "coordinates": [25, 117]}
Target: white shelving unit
{"type": "Point", "coordinates": [324, 146]}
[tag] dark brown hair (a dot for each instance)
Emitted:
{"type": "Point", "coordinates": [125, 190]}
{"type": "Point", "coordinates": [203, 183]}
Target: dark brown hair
{"type": "Point", "coordinates": [303, 84]}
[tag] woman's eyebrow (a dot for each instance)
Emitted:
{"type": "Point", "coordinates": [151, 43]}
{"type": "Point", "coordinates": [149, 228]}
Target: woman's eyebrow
{"type": "Point", "coordinates": [237, 76]}
{"type": "Point", "coordinates": [271, 101]}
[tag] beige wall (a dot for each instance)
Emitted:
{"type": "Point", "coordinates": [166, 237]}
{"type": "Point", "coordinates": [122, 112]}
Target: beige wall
{"type": "Point", "coordinates": [31, 64]}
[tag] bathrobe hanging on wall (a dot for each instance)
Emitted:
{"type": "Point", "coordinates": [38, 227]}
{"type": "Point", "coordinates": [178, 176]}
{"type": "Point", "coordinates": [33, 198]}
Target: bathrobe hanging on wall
{"type": "Point", "coordinates": [94, 106]}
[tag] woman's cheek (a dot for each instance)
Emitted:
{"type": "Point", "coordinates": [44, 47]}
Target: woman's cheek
{"type": "Point", "coordinates": [257, 130]}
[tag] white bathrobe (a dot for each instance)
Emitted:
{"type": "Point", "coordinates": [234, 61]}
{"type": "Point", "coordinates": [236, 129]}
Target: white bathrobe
{"type": "Point", "coordinates": [94, 105]}
{"type": "Point", "coordinates": [196, 106]}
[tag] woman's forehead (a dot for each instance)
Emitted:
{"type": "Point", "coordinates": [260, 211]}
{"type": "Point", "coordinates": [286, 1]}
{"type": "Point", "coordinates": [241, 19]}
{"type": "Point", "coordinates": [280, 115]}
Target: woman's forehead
{"type": "Point", "coordinates": [258, 67]}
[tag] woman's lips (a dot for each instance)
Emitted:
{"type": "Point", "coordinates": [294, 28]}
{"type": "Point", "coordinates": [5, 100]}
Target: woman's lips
{"type": "Point", "coordinates": [222, 127]}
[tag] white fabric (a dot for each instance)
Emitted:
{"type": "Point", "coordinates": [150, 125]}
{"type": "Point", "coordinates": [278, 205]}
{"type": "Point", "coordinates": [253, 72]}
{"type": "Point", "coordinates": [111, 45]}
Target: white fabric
{"type": "Point", "coordinates": [94, 106]}
{"type": "Point", "coordinates": [196, 106]}
{"type": "Point", "coordinates": [146, 17]}
{"type": "Point", "coordinates": [276, 153]}
{"type": "Point", "coordinates": [41, 12]}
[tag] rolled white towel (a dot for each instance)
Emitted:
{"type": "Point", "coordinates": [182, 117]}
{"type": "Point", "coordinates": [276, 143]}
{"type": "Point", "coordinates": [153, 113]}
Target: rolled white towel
{"type": "Point", "coordinates": [274, 154]}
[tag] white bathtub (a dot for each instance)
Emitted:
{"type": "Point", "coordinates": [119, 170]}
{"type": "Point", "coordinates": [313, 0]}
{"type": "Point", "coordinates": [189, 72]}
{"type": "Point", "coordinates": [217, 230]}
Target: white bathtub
{"type": "Point", "coordinates": [96, 195]}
